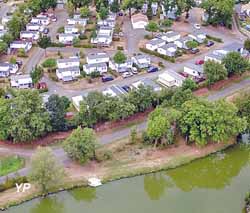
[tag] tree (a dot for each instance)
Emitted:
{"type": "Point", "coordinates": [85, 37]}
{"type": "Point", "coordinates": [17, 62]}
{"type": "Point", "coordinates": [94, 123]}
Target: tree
{"type": "Point", "coordinates": [152, 27]}
{"type": "Point", "coordinates": [214, 72]}
{"type": "Point", "coordinates": [129, 4]}
{"type": "Point", "coordinates": [7, 38]}
{"type": "Point", "coordinates": [16, 25]}
{"type": "Point", "coordinates": [84, 12]}
{"type": "Point", "coordinates": [44, 42]}
{"type": "Point", "coordinates": [3, 47]}
{"type": "Point", "coordinates": [247, 44]}
{"type": "Point", "coordinates": [46, 172]}
{"type": "Point", "coordinates": [28, 119]}
{"type": "Point", "coordinates": [159, 128]}
{"type": "Point", "coordinates": [57, 108]}
{"type": "Point", "coordinates": [133, 135]}
{"type": "Point", "coordinates": [36, 74]}
{"type": "Point", "coordinates": [202, 121]}
{"type": "Point", "coordinates": [189, 84]}
{"type": "Point", "coordinates": [103, 13]}
{"type": "Point", "coordinates": [167, 23]}
{"type": "Point", "coordinates": [4, 118]}
{"type": "Point", "coordinates": [70, 8]}
{"type": "Point", "coordinates": [120, 57]}
{"type": "Point", "coordinates": [192, 44]}
{"type": "Point", "coordinates": [219, 12]}
{"type": "Point", "coordinates": [81, 144]}
{"type": "Point", "coordinates": [189, 4]}
{"type": "Point", "coordinates": [235, 63]}
{"type": "Point", "coordinates": [180, 96]}
{"type": "Point", "coordinates": [115, 7]}
{"type": "Point", "coordinates": [46, 4]}
{"type": "Point", "coordinates": [243, 104]}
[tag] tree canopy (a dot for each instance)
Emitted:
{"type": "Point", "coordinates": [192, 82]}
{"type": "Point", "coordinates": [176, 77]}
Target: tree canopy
{"type": "Point", "coordinates": [120, 57]}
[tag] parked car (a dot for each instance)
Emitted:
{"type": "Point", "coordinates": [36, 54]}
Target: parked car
{"type": "Point", "coordinates": [46, 30]}
{"type": "Point", "coordinates": [134, 70]}
{"type": "Point", "coordinates": [107, 78]}
{"type": "Point", "coordinates": [197, 26]}
{"type": "Point", "coordinates": [210, 43]}
{"type": "Point", "coordinates": [54, 18]}
{"type": "Point", "coordinates": [127, 74]}
{"type": "Point", "coordinates": [184, 74]}
{"type": "Point", "coordinates": [42, 85]}
{"type": "Point", "coordinates": [19, 63]}
{"type": "Point", "coordinates": [199, 80]}
{"type": "Point", "coordinates": [199, 62]}
{"type": "Point", "coordinates": [152, 69]}
{"type": "Point", "coordinates": [194, 50]}
{"type": "Point", "coordinates": [126, 88]}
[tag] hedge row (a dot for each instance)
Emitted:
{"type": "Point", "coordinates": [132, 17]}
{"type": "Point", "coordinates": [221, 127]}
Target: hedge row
{"type": "Point", "coordinates": [10, 183]}
{"type": "Point", "coordinates": [165, 57]}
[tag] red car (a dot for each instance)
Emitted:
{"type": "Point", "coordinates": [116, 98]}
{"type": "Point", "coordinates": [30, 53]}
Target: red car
{"type": "Point", "coordinates": [199, 62]}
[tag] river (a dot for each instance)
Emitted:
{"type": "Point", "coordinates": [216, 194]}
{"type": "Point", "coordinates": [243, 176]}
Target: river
{"type": "Point", "coordinates": [215, 184]}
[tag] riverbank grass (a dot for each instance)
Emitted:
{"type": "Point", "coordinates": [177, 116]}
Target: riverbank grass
{"type": "Point", "coordinates": [10, 164]}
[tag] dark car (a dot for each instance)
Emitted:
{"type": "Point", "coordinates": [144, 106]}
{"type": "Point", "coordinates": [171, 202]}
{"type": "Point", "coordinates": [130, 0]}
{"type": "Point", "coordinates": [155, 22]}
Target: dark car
{"type": "Point", "coordinates": [152, 69]}
{"type": "Point", "coordinates": [126, 88]}
{"type": "Point", "coordinates": [46, 30]}
{"type": "Point", "coordinates": [194, 50]}
{"type": "Point", "coordinates": [107, 78]}
{"type": "Point", "coordinates": [19, 63]}
{"type": "Point", "coordinates": [210, 43]}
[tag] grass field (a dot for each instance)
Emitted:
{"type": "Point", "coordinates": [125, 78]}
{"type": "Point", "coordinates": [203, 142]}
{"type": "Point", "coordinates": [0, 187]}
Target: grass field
{"type": "Point", "coordinates": [10, 164]}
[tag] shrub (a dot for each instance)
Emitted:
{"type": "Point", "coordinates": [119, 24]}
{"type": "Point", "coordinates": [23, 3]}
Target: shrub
{"type": "Point", "coordinates": [60, 30]}
{"type": "Point", "coordinates": [214, 38]}
{"type": "Point", "coordinates": [167, 58]}
{"type": "Point", "coordinates": [116, 39]}
{"type": "Point", "coordinates": [10, 183]}
{"type": "Point", "coordinates": [120, 48]}
{"type": "Point", "coordinates": [21, 53]}
{"type": "Point", "coordinates": [83, 37]}
{"type": "Point", "coordinates": [49, 63]}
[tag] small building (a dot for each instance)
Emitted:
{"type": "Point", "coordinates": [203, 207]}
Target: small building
{"type": "Point", "coordinates": [128, 64]}
{"type": "Point", "coordinates": [43, 20]}
{"type": "Point", "coordinates": [214, 57]}
{"type": "Point", "coordinates": [68, 62]}
{"type": "Point", "coordinates": [181, 43]}
{"type": "Point", "coordinates": [139, 21]}
{"type": "Point", "coordinates": [98, 67]}
{"type": "Point", "coordinates": [154, 7]}
{"type": "Point", "coordinates": [76, 20]}
{"type": "Point", "coordinates": [102, 40]}
{"type": "Point", "coordinates": [155, 43]}
{"type": "Point", "coordinates": [29, 35]}
{"type": "Point", "coordinates": [76, 101]}
{"type": "Point", "coordinates": [169, 49]}
{"type": "Point", "coordinates": [68, 73]}
{"type": "Point", "coordinates": [96, 58]}
{"type": "Point", "coordinates": [198, 36]}
{"type": "Point", "coordinates": [7, 68]}
{"type": "Point", "coordinates": [194, 70]}
{"type": "Point", "coordinates": [114, 91]}
{"type": "Point", "coordinates": [144, 8]}
{"type": "Point", "coordinates": [67, 38]}
{"type": "Point", "coordinates": [169, 36]}
{"type": "Point", "coordinates": [142, 61]}
{"type": "Point", "coordinates": [148, 83]}
{"type": "Point", "coordinates": [170, 78]}
{"type": "Point", "coordinates": [26, 45]}
{"type": "Point", "coordinates": [21, 81]}
{"type": "Point", "coordinates": [71, 29]}
{"type": "Point", "coordinates": [34, 27]}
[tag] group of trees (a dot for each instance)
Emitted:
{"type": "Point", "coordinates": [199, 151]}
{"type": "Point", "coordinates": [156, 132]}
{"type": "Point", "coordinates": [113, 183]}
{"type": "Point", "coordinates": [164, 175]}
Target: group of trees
{"type": "Point", "coordinates": [24, 117]}
{"type": "Point", "coordinates": [232, 63]}
{"type": "Point", "coordinates": [219, 12]}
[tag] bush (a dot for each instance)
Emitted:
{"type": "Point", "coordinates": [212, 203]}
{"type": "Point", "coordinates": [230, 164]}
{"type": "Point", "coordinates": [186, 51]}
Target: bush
{"type": "Point", "coordinates": [214, 38]}
{"type": "Point", "coordinates": [120, 48]}
{"type": "Point", "coordinates": [116, 39]}
{"type": "Point", "coordinates": [60, 30]}
{"type": "Point", "coordinates": [53, 76]}
{"type": "Point", "coordinates": [21, 53]}
{"type": "Point", "coordinates": [49, 63]}
{"type": "Point", "coordinates": [148, 37]}
{"type": "Point", "coordinates": [10, 183]}
{"type": "Point", "coordinates": [160, 64]}
{"type": "Point", "coordinates": [167, 58]}
{"type": "Point", "coordinates": [55, 44]}
{"type": "Point", "coordinates": [83, 37]}
{"type": "Point", "coordinates": [95, 74]}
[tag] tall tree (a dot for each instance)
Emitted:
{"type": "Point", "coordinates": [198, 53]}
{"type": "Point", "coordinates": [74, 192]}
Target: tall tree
{"type": "Point", "coordinates": [120, 57]}
{"type": "Point", "coordinates": [235, 63]}
{"type": "Point", "coordinates": [46, 172]}
{"type": "Point", "coordinates": [152, 27]}
{"type": "Point", "coordinates": [57, 108]}
{"type": "Point", "coordinates": [81, 144]}
{"type": "Point", "coordinates": [28, 118]}
{"type": "Point", "coordinates": [214, 72]}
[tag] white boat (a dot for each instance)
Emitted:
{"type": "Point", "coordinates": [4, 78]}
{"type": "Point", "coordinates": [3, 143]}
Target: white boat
{"type": "Point", "coordinates": [94, 182]}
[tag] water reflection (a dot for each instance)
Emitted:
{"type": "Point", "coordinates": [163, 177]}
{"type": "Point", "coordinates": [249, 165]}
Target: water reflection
{"type": "Point", "coordinates": [155, 185]}
{"type": "Point", "coordinates": [87, 194]}
{"type": "Point", "coordinates": [214, 172]}
{"type": "Point", "coordinates": [48, 205]}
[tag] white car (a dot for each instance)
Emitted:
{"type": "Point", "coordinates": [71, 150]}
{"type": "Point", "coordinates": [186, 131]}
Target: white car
{"type": "Point", "coordinates": [197, 26]}
{"type": "Point", "coordinates": [134, 70]}
{"type": "Point", "coordinates": [127, 74]}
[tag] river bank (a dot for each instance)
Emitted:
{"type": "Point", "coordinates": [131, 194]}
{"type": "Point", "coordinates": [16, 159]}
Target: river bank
{"type": "Point", "coordinates": [127, 160]}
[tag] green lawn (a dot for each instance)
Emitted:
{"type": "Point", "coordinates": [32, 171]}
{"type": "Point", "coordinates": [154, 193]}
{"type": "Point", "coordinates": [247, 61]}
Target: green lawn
{"type": "Point", "coordinates": [10, 164]}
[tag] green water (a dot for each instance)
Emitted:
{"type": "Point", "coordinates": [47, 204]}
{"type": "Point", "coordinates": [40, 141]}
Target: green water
{"type": "Point", "coordinates": [216, 184]}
